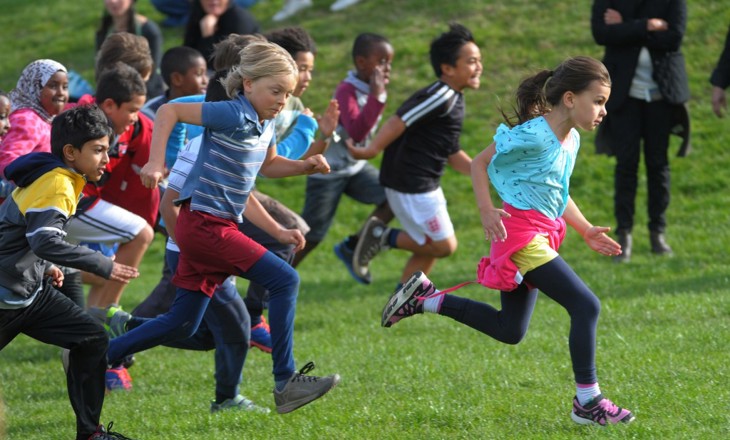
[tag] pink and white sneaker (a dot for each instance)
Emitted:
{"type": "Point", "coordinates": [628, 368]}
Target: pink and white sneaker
{"type": "Point", "coordinates": [600, 411]}
{"type": "Point", "coordinates": [408, 300]}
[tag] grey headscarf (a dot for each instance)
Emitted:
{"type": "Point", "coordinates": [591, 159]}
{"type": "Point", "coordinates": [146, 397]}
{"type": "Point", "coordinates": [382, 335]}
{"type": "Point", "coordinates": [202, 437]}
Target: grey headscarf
{"type": "Point", "coordinates": [27, 93]}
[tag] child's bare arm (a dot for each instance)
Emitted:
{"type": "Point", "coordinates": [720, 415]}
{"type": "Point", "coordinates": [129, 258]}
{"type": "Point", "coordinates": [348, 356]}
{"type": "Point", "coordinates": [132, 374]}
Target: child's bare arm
{"type": "Point", "coordinates": [491, 217]}
{"type": "Point", "coordinates": [275, 166]}
{"type": "Point", "coordinates": [256, 214]}
{"type": "Point", "coordinates": [167, 116]}
{"type": "Point", "coordinates": [461, 162]}
{"type": "Point", "coordinates": [169, 211]}
{"type": "Point", "coordinates": [390, 131]}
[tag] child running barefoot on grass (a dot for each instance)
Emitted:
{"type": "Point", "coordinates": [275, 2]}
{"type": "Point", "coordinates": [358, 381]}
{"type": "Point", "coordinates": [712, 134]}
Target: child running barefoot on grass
{"type": "Point", "coordinates": [238, 142]}
{"type": "Point", "coordinates": [530, 166]}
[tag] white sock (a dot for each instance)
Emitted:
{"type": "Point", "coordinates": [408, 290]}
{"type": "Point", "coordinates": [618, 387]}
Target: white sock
{"type": "Point", "coordinates": [586, 392]}
{"type": "Point", "coordinates": [433, 304]}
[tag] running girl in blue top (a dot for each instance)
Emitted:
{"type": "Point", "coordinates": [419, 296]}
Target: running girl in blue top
{"type": "Point", "coordinates": [530, 166]}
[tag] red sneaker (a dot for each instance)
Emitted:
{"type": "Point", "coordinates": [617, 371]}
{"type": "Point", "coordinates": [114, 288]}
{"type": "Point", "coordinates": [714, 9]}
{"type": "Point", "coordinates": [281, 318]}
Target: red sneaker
{"type": "Point", "coordinates": [118, 379]}
{"type": "Point", "coordinates": [261, 336]}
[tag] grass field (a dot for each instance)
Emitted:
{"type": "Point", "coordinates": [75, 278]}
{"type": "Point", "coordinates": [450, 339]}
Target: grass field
{"type": "Point", "coordinates": [665, 323]}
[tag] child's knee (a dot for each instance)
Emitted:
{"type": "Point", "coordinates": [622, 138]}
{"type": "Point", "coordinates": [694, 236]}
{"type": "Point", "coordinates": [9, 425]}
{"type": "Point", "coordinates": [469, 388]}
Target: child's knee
{"type": "Point", "coordinates": [593, 306]}
{"type": "Point", "coordinates": [145, 235]}
{"type": "Point", "coordinates": [589, 306]}
{"type": "Point", "coordinates": [445, 248]}
{"type": "Point", "coordinates": [96, 342]}
{"type": "Point", "coordinates": [184, 331]}
{"type": "Point", "coordinates": [514, 336]}
{"type": "Point", "coordinates": [286, 283]}
{"type": "Point", "coordinates": [290, 277]}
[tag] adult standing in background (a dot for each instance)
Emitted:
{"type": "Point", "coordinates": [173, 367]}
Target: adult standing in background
{"type": "Point", "coordinates": [120, 16]}
{"type": "Point", "coordinates": [178, 11]}
{"type": "Point", "coordinates": [211, 21]}
{"type": "Point", "coordinates": [642, 40]}
{"type": "Point", "coordinates": [720, 80]}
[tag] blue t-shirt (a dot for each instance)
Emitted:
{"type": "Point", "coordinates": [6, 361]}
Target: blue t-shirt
{"type": "Point", "coordinates": [234, 146]}
{"type": "Point", "coordinates": [181, 133]}
{"type": "Point", "coordinates": [531, 169]}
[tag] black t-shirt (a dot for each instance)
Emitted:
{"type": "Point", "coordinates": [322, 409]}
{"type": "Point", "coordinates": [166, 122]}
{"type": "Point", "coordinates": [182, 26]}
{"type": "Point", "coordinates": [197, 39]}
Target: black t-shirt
{"type": "Point", "coordinates": [414, 163]}
{"type": "Point", "coordinates": [235, 20]}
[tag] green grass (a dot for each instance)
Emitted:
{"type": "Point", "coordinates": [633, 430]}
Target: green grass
{"type": "Point", "coordinates": [665, 323]}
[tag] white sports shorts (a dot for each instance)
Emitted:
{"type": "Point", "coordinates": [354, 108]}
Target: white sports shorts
{"type": "Point", "coordinates": [422, 215]}
{"type": "Point", "coordinates": [104, 223]}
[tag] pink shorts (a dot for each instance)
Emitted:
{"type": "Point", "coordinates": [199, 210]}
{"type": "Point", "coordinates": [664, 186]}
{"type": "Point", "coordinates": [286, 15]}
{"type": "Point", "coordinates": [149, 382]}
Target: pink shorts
{"type": "Point", "coordinates": [211, 250]}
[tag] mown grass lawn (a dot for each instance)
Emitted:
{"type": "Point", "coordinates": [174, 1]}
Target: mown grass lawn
{"type": "Point", "coordinates": [665, 323]}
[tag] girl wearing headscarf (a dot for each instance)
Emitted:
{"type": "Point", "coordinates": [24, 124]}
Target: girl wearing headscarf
{"type": "Point", "coordinates": [41, 94]}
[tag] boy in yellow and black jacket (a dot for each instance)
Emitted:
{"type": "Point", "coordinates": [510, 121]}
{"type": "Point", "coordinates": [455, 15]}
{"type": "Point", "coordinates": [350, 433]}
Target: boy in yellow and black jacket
{"type": "Point", "coordinates": [32, 222]}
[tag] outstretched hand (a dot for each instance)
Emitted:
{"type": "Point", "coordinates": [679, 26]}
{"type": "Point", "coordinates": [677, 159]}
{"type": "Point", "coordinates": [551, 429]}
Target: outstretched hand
{"type": "Point", "coordinates": [597, 240]}
{"type": "Point", "coordinates": [328, 121]}
{"type": "Point", "coordinates": [492, 223]}
{"type": "Point", "coordinates": [123, 273]}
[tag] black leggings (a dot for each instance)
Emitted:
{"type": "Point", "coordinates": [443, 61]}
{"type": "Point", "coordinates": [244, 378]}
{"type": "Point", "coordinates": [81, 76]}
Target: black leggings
{"type": "Point", "coordinates": [559, 282]}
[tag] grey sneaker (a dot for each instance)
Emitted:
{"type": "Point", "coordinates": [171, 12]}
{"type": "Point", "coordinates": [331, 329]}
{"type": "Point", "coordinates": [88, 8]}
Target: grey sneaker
{"type": "Point", "coordinates": [408, 300]}
{"type": "Point", "coordinates": [301, 389]}
{"type": "Point", "coordinates": [373, 239]}
{"type": "Point", "coordinates": [115, 323]}
{"type": "Point", "coordinates": [240, 403]}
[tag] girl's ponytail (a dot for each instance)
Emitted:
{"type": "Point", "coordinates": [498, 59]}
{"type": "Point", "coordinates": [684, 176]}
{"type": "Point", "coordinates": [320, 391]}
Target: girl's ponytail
{"type": "Point", "coordinates": [530, 99]}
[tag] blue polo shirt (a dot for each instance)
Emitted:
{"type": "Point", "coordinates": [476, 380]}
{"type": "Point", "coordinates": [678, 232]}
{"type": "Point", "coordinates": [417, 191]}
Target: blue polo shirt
{"type": "Point", "coordinates": [234, 146]}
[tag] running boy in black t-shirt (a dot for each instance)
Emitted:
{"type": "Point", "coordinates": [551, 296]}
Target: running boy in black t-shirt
{"type": "Point", "coordinates": [419, 140]}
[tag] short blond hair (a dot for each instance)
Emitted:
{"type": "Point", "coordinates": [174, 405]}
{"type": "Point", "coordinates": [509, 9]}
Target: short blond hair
{"type": "Point", "coordinates": [259, 60]}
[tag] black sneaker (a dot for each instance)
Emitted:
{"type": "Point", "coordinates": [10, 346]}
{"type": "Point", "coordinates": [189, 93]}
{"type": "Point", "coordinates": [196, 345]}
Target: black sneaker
{"type": "Point", "coordinates": [107, 434]}
{"type": "Point", "coordinates": [301, 389]}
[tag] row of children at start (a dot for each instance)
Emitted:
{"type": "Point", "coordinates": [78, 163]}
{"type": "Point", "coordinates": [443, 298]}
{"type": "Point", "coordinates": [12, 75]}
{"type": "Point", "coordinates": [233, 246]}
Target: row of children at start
{"type": "Point", "coordinates": [214, 178]}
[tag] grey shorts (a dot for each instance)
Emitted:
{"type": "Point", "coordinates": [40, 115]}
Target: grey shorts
{"type": "Point", "coordinates": [323, 196]}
